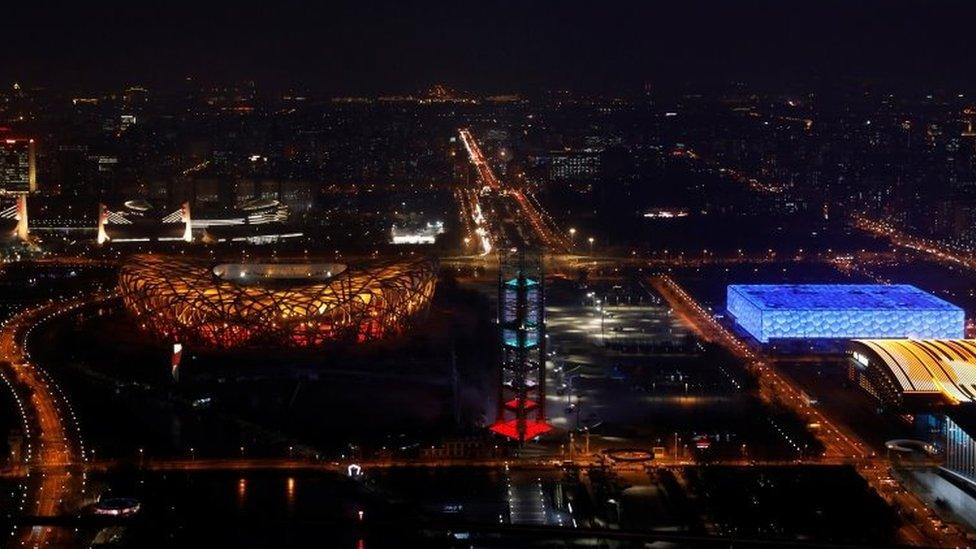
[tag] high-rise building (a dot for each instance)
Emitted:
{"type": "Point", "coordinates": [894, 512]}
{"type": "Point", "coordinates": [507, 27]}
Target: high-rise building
{"type": "Point", "coordinates": [960, 447]}
{"type": "Point", "coordinates": [18, 171]}
{"type": "Point", "coordinates": [574, 165]}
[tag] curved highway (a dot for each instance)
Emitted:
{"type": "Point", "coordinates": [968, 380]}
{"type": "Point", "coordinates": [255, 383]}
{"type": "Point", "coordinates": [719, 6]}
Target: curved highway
{"type": "Point", "coordinates": [53, 446]}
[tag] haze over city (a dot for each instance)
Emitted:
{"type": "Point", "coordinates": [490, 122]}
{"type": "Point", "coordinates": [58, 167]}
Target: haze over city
{"type": "Point", "coordinates": [503, 274]}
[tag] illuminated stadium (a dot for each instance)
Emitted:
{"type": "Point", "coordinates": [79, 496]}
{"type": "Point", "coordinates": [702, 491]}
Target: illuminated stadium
{"type": "Point", "coordinates": [915, 371]}
{"type": "Point", "coordinates": [842, 311]}
{"type": "Point", "coordinates": [298, 305]}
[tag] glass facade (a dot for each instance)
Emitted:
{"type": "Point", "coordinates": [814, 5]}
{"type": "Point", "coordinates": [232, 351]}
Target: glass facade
{"type": "Point", "coordinates": [960, 450]}
{"type": "Point", "coordinates": [842, 311]}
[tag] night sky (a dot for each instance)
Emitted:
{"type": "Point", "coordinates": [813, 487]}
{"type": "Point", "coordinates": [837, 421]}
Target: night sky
{"type": "Point", "coordinates": [490, 47]}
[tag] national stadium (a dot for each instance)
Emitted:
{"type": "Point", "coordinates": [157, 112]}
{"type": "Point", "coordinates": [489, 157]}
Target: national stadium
{"type": "Point", "coordinates": [227, 306]}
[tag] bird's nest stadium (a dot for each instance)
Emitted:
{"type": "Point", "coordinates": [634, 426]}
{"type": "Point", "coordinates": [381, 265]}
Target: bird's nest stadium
{"type": "Point", "coordinates": [274, 305]}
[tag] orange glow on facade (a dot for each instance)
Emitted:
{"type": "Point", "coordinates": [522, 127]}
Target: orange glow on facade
{"type": "Point", "coordinates": [180, 299]}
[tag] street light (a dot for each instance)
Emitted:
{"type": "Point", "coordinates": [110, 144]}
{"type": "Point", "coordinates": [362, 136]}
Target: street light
{"type": "Point", "coordinates": [616, 505]}
{"type": "Point", "coordinates": [572, 236]}
{"type": "Point", "coordinates": [590, 240]}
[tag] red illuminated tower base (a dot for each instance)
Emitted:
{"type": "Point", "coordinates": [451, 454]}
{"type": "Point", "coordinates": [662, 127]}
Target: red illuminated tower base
{"type": "Point", "coordinates": [521, 319]}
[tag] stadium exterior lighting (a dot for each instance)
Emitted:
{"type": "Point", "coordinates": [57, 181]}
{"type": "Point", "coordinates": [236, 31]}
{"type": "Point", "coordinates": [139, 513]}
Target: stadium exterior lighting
{"type": "Point", "coordinates": [274, 305]}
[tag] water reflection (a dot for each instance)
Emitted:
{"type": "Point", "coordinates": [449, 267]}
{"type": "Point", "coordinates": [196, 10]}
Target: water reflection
{"type": "Point", "coordinates": [241, 493]}
{"type": "Point", "coordinates": [290, 494]}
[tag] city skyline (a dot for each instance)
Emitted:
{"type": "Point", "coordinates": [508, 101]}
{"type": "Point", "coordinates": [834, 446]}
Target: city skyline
{"type": "Point", "coordinates": [502, 274]}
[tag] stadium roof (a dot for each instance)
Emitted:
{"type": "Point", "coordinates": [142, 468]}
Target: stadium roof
{"type": "Point", "coordinates": [834, 297]}
{"type": "Point", "coordinates": [929, 366]}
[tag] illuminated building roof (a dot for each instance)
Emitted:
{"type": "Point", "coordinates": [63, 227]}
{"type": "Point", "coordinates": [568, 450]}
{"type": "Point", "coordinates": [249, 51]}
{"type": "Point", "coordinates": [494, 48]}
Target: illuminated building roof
{"type": "Point", "coordinates": [899, 368]}
{"type": "Point", "coordinates": [842, 311]}
{"type": "Point", "coordinates": [417, 234]}
{"type": "Point", "coordinates": [833, 297]}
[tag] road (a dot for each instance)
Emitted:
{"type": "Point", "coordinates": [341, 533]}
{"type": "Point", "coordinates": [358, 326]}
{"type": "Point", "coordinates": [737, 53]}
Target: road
{"type": "Point", "coordinates": [570, 263]}
{"type": "Point", "coordinates": [840, 442]}
{"type": "Point", "coordinates": [475, 226]}
{"type": "Point", "coordinates": [505, 205]}
{"type": "Point", "coordinates": [940, 252]}
{"type": "Point", "coordinates": [54, 447]}
{"type": "Point", "coordinates": [553, 462]}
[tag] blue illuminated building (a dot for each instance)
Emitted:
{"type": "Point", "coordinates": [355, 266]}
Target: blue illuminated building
{"type": "Point", "coordinates": [842, 311]}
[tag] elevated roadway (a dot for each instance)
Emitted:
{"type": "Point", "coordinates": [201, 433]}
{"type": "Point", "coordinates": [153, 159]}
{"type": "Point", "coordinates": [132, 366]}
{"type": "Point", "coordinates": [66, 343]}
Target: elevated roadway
{"type": "Point", "coordinates": [54, 449]}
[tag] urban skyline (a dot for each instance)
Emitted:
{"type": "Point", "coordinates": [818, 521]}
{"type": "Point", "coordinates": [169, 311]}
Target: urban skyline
{"type": "Point", "coordinates": [488, 275]}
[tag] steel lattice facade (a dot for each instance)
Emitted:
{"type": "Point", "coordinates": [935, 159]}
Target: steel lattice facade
{"type": "Point", "coordinates": [182, 300]}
